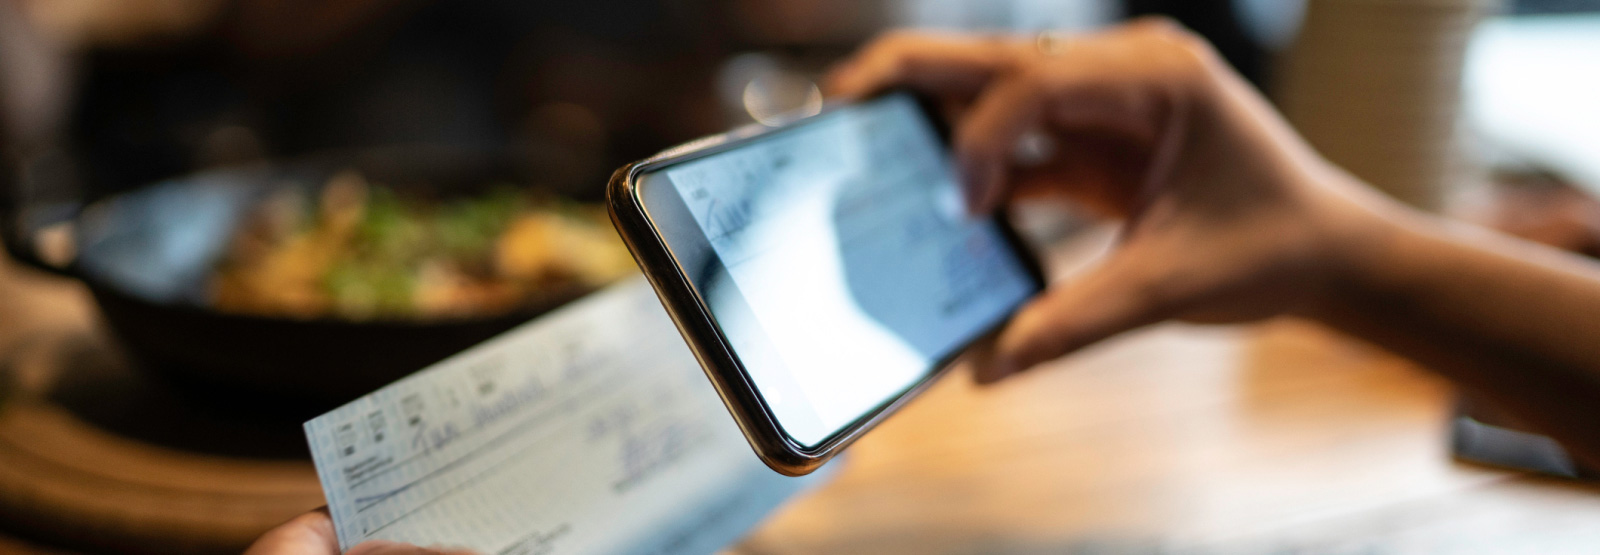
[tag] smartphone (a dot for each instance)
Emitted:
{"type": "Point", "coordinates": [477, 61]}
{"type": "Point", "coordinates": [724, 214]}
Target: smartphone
{"type": "Point", "coordinates": [824, 272]}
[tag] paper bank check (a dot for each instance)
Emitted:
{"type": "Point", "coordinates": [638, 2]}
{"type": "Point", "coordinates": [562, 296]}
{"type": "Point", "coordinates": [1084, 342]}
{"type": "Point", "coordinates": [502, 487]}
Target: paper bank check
{"type": "Point", "coordinates": [590, 430]}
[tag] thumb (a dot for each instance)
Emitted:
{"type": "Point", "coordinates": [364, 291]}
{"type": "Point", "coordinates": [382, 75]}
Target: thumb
{"type": "Point", "coordinates": [1124, 292]}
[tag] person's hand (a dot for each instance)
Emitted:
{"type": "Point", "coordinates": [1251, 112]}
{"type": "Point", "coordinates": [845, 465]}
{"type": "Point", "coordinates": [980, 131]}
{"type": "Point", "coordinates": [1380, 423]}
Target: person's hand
{"type": "Point", "coordinates": [312, 534]}
{"type": "Point", "coordinates": [1228, 215]}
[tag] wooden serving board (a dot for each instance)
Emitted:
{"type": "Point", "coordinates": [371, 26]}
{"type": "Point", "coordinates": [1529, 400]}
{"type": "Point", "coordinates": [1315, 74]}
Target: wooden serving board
{"type": "Point", "coordinates": [94, 457]}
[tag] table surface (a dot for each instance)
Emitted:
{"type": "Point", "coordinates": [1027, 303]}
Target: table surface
{"type": "Point", "coordinates": [1268, 439]}
{"type": "Point", "coordinates": [1273, 438]}
{"type": "Point", "coordinates": [1281, 437]}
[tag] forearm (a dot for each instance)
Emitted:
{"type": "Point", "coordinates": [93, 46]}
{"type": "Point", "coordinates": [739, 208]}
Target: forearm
{"type": "Point", "coordinates": [1514, 322]}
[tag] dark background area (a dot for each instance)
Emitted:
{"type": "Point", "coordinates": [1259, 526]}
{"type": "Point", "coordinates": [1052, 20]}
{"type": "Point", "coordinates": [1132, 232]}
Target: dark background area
{"type": "Point", "coordinates": [578, 87]}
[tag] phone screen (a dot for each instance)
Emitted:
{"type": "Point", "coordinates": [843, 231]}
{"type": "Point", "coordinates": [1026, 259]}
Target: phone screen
{"type": "Point", "coordinates": [837, 259]}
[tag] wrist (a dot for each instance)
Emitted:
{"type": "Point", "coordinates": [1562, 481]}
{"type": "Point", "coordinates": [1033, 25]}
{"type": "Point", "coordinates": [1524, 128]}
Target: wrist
{"type": "Point", "coordinates": [1370, 244]}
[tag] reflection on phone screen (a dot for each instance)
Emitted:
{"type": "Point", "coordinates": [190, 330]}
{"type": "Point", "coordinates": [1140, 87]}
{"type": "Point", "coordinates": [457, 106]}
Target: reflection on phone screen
{"type": "Point", "coordinates": [851, 266]}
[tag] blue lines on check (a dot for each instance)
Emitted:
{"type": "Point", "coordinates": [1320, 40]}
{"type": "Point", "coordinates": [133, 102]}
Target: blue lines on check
{"type": "Point", "coordinates": [367, 502]}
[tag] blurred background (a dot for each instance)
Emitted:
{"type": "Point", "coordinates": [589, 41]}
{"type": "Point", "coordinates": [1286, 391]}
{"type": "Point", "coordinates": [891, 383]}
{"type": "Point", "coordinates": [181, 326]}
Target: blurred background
{"type": "Point", "coordinates": [226, 215]}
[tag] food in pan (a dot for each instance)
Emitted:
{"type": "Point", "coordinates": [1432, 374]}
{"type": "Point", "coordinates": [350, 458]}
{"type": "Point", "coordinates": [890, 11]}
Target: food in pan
{"type": "Point", "coordinates": [362, 251]}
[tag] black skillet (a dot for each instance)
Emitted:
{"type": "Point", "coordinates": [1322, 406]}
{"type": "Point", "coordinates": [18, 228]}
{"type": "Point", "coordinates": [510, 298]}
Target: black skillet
{"type": "Point", "coordinates": [146, 256]}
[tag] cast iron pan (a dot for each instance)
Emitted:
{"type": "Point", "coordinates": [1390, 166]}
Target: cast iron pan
{"type": "Point", "coordinates": [146, 256]}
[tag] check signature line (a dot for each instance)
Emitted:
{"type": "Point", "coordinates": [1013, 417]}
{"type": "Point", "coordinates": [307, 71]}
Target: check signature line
{"type": "Point", "coordinates": [492, 469]}
{"type": "Point", "coordinates": [375, 475]}
{"type": "Point", "coordinates": [367, 502]}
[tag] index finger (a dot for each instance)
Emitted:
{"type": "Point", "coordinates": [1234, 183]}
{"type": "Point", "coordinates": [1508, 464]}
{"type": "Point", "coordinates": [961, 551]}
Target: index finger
{"type": "Point", "coordinates": [939, 65]}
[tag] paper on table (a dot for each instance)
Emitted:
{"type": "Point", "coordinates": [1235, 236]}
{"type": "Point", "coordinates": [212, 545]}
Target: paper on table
{"type": "Point", "coordinates": [590, 430]}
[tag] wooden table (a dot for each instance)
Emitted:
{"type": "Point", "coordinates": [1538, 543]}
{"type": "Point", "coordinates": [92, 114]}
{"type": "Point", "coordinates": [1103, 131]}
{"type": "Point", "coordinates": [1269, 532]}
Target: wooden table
{"type": "Point", "coordinates": [93, 456]}
{"type": "Point", "coordinates": [1274, 438]}
{"type": "Point", "coordinates": [1266, 439]}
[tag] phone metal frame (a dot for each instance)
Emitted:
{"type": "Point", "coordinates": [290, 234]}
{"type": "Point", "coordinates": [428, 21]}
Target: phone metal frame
{"type": "Point", "coordinates": [700, 330]}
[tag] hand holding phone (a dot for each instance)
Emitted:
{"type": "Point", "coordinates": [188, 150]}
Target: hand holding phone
{"type": "Point", "coordinates": [823, 272]}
